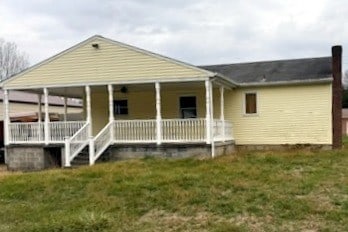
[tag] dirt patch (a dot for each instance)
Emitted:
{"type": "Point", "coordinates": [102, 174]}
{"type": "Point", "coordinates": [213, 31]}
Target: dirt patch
{"type": "Point", "coordinates": [4, 172]}
{"type": "Point", "coordinates": [202, 220]}
{"type": "Point", "coordinates": [176, 222]}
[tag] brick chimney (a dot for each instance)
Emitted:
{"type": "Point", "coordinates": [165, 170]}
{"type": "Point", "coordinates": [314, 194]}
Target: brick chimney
{"type": "Point", "coordinates": [337, 97]}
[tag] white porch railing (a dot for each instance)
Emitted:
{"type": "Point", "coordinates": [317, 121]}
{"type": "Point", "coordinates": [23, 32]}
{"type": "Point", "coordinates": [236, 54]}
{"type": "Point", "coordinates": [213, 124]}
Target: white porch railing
{"type": "Point", "coordinates": [222, 130]}
{"type": "Point", "coordinates": [31, 132]}
{"type": "Point", "coordinates": [75, 135]}
{"type": "Point", "coordinates": [102, 140]}
{"type": "Point", "coordinates": [228, 130]}
{"type": "Point", "coordinates": [60, 130]}
{"type": "Point", "coordinates": [183, 130]}
{"type": "Point", "coordinates": [123, 131]}
{"type": "Point", "coordinates": [173, 131]}
{"type": "Point", "coordinates": [76, 143]}
{"type": "Point", "coordinates": [135, 131]}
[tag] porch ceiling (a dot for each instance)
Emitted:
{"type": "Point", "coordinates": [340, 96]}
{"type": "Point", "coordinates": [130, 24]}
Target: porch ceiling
{"type": "Point", "coordinates": [151, 87]}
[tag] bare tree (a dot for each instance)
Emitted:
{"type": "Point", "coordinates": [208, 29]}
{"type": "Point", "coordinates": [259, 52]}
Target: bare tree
{"type": "Point", "coordinates": [12, 60]}
{"type": "Point", "coordinates": [345, 79]}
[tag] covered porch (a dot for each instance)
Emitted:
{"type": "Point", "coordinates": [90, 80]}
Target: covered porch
{"type": "Point", "coordinates": [128, 113]}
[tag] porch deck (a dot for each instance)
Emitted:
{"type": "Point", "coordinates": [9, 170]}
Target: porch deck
{"type": "Point", "coordinates": [75, 135]}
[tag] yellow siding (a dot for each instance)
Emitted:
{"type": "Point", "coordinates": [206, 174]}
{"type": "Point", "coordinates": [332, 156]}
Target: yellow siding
{"type": "Point", "coordinates": [286, 115]}
{"type": "Point", "coordinates": [16, 108]}
{"type": "Point", "coordinates": [110, 63]}
{"type": "Point", "coordinates": [216, 103]}
{"type": "Point", "coordinates": [171, 103]}
{"type": "Point", "coordinates": [141, 105]}
{"type": "Point", "coordinates": [100, 110]}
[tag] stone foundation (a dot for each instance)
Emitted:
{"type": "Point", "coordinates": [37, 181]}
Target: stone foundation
{"type": "Point", "coordinates": [283, 147]}
{"type": "Point", "coordinates": [129, 151]}
{"type": "Point", "coordinates": [31, 158]}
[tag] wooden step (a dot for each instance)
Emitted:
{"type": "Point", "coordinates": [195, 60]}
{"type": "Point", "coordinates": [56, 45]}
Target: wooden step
{"type": "Point", "coordinates": [81, 159]}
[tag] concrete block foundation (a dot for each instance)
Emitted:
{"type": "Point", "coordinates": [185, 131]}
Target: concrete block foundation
{"type": "Point", "coordinates": [129, 151]}
{"type": "Point", "coordinates": [31, 158]}
{"type": "Point", "coordinates": [283, 147]}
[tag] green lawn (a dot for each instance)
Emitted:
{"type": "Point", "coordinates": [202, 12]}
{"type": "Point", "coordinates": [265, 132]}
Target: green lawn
{"type": "Point", "coordinates": [256, 191]}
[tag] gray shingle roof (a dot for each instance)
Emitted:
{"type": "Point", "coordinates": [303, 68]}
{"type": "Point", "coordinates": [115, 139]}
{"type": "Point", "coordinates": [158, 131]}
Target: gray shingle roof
{"type": "Point", "coordinates": [281, 71]}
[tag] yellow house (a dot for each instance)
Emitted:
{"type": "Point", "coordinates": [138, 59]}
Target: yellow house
{"type": "Point", "coordinates": [140, 103]}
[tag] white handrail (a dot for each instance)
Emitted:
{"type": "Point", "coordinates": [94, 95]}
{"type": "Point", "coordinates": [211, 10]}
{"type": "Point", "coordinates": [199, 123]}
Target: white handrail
{"type": "Point", "coordinates": [60, 130]}
{"type": "Point", "coordinates": [76, 143]}
{"type": "Point", "coordinates": [102, 140]}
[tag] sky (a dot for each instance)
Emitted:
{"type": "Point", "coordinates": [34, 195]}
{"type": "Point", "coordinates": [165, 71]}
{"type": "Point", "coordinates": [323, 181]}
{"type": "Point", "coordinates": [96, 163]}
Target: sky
{"type": "Point", "coordinates": [195, 31]}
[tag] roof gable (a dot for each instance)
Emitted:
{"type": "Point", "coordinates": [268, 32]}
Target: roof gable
{"type": "Point", "coordinates": [111, 62]}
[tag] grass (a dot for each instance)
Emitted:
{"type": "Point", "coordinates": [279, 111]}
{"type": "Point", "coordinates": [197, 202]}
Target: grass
{"type": "Point", "coordinates": [251, 191]}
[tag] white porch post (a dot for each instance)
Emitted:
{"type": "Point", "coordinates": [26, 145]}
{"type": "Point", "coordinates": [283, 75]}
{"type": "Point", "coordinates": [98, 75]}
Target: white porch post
{"type": "Point", "coordinates": [39, 103]}
{"type": "Point", "coordinates": [158, 114]}
{"type": "Point", "coordinates": [89, 120]}
{"type": "Point", "coordinates": [47, 117]}
{"type": "Point", "coordinates": [7, 118]}
{"type": "Point", "coordinates": [65, 109]}
{"type": "Point", "coordinates": [212, 123]}
{"type": "Point", "coordinates": [67, 153]}
{"type": "Point", "coordinates": [39, 114]}
{"type": "Point", "coordinates": [111, 109]}
{"type": "Point", "coordinates": [207, 111]}
{"type": "Point", "coordinates": [222, 112]}
{"type": "Point", "coordinates": [88, 109]}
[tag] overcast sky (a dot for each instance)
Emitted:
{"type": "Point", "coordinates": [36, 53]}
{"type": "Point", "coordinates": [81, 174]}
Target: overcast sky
{"type": "Point", "coordinates": [195, 31]}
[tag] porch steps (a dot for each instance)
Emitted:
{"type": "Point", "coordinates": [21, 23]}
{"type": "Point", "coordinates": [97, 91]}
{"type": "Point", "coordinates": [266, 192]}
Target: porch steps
{"type": "Point", "coordinates": [82, 159]}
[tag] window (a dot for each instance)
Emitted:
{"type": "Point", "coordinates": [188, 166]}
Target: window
{"type": "Point", "coordinates": [121, 107]}
{"type": "Point", "coordinates": [188, 107]}
{"type": "Point", "coordinates": [250, 103]}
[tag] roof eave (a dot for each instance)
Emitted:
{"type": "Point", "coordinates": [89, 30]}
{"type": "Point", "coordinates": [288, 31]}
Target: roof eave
{"type": "Point", "coordinates": [226, 80]}
{"type": "Point", "coordinates": [295, 82]}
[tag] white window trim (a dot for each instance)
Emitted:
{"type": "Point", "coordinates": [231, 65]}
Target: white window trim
{"type": "Point", "coordinates": [245, 114]}
{"type": "Point", "coordinates": [187, 95]}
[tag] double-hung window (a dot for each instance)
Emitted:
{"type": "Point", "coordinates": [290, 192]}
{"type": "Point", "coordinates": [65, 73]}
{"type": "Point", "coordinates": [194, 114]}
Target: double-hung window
{"type": "Point", "coordinates": [188, 108]}
{"type": "Point", "coordinates": [120, 107]}
{"type": "Point", "coordinates": [250, 103]}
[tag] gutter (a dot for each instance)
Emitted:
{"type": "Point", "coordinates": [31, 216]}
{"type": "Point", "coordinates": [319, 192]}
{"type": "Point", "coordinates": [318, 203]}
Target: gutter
{"type": "Point", "coordinates": [295, 82]}
{"type": "Point", "coordinates": [234, 84]}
